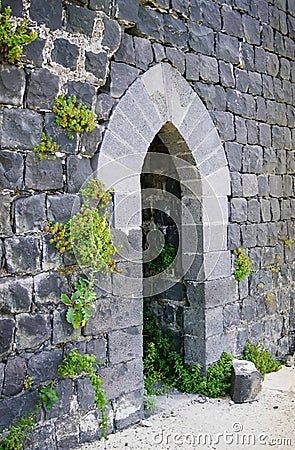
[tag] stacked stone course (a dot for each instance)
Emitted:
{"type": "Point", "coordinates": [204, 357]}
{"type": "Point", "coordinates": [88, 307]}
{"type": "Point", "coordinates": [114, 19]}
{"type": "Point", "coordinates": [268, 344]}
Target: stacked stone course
{"type": "Point", "coordinates": [239, 57]}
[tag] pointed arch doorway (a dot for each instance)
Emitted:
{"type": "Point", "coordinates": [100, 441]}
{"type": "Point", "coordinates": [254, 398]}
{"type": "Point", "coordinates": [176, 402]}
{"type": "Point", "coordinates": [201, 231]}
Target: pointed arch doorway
{"type": "Point", "coordinates": [160, 114]}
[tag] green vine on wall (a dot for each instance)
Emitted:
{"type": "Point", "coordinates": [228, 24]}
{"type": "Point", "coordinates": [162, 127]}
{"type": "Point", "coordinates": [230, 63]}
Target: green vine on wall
{"type": "Point", "coordinates": [46, 149]}
{"type": "Point", "coordinates": [13, 37]}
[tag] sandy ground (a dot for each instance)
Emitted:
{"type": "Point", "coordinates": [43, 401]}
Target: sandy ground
{"type": "Point", "coordinates": [183, 421]}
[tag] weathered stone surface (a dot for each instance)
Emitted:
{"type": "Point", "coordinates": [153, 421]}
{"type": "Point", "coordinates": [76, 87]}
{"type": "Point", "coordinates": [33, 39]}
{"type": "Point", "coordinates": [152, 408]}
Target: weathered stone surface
{"type": "Point", "coordinates": [65, 391]}
{"type": "Point", "coordinates": [90, 141]}
{"type": "Point", "coordinates": [62, 207]}
{"type": "Point", "coordinates": [78, 172]}
{"type": "Point", "coordinates": [227, 48]}
{"type": "Point", "coordinates": [98, 347]}
{"type": "Point", "coordinates": [250, 185]}
{"type": "Point", "coordinates": [210, 14]}
{"type": "Point", "coordinates": [232, 23]}
{"type": "Point", "coordinates": [12, 85]}
{"type": "Point", "coordinates": [15, 5]}
{"type": "Point", "coordinates": [246, 381]}
{"type": "Point", "coordinates": [23, 254]}
{"type": "Point", "coordinates": [48, 288]}
{"type": "Point", "coordinates": [122, 378]}
{"type": "Point", "coordinates": [5, 225]}
{"type": "Point", "coordinates": [34, 51]}
{"type": "Point", "coordinates": [128, 409]}
{"type": "Point", "coordinates": [20, 129]}
{"type": "Point", "coordinates": [201, 38]}
{"type": "Point", "coordinates": [49, 13]}
{"type": "Point", "coordinates": [42, 88]}
{"type": "Point", "coordinates": [150, 23]}
{"type": "Point", "coordinates": [127, 10]}
{"type": "Point", "coordinates": [79, 20]}
{"type": "Point", "coordinates": [208, 67]}
{"type": "Point", "coordinates": [15, 372]}
{"type": "Point", "coordinates": [111, 35]}
{"type": "Point", "coordinates": [122, 76]}
{"type": "Point", "coordinates": [85, 393]}
{"type": "Point", "coordinates": [32, 330]}
{"type": "Point", "coordinates": [143, 52]}
{"type": "Point", "coordinates": [125, 344]}
{"type": "Point", "coordinates": [62, 330]}
{"type": "Point", "coordinates": [16, 294]}
{"type": "Point", "coordinates": [100, 5]}
{"type": "Point", "coordinates": [7, 327]}
{"type": "Point", "coordinates": [97, 64]}
{"type": "Point", "coordinates": [238, 209]}
{"type": "Point", "coordinates": [43, 175]}
{"type": "Point", "coordinates": [11, 170]}
{"type": "Point", "coordinates": [29, 213]}
{"type": "Point", "coordinates": [175, 31]}
{"type": "Point", "coordinates": [59, 134]}
{"type": "Point", "coordinates": [84, 92]}
{"type": "Point", "coordinates": [104, 106]}
{"type": "Point", "coordinates": [43, 366]}
{"type": "Point", "coordinates": [45, 434]}
{"type": "Point", "coordinates": [12, 409]}
{"type": "Point", "coordinates": [65, 53]}
{"type": "Point", "coordinates": [125, 52]}
{"type": "Point", "coordinates": [113, 314]}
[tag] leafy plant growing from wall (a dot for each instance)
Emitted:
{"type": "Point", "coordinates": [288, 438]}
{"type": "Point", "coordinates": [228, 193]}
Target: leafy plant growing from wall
{"type": "Point", "coordinates": [13, 37]}
{"type": "Point", "coordinates": [46, 149]}
{"type": "Point", "coordinates": [73, 116]}
{"type": "Point", "coordinates": [87, 236]}
{"type": "Point", "coordinates": [242, 264]}
{"type": "Point", "coordinates": [163, 260]}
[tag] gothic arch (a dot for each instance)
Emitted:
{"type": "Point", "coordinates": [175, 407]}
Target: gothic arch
{"type": "Point", "coordinates": [161, 101]}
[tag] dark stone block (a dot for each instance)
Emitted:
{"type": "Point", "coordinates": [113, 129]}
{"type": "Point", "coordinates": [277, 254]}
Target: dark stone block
{"type": "Point", "coordinates": [111, 35]}
{"type": "Point", "coordinates": [84, 92]}
{"type": "Point", "coordinates": [62, 330]}
{"type": "Point", "coordinates": [41, 175]}
{"type": "Point", "coordinates": [208, 67]}
{"type": "Point", "coordinates": [249, 309]}
{"type": "Point", "coordinates": [98, 347]}
{"type": "Point", "coordinates": [62, 207]}
{"type": "Point", "coordinates": [85, 393]}
{"type": "Point", "coordinates": [213, 96]}
{"type": "Point", "coordinates": [49, 13]}
{"type": "Point", "coordinates": [226, 74]}
{"type": "Point", "coordinates": [97, 64]}
{"type": "Point", "coordinates": [231, 315]}
{"type": "Point", "coordinates": [16, 294]}
{"type": "Point", "coordinates": [180, 6]}
{"type": "Point", "coordinates": [5, 225]}
{"type": "Point", "coordinates": [125, 52]}
{"type": "Point", "coordinates": [15, 372]}
{"type": "Point", "coordinates": [32, 330]}
{"type": "Point", "coordinates": [43, 86]}
{"type": "Point", "coordinates": [177, 58]}
{"type": "Point", "coordinates": [211, 16]}
{"type": "Point", "coordinates": [150, 23]}
{"type": "Point", "coordinates": [100, 5]}
{"type": "Point", "coordinates": [125, 344]}
{"type": "Point", "coordinates": [127, 10]}
{"type": "Point", "coordinates": [234, 155]}
{"type": "Point", "coordinates": [11, 170]}
{"type": "Point", "coordinates": [122, 378]}
{"type": "Point", "coordinates": [224, 124]}
{"type": "Point", "coordinates": [12, 409]}
{"type": "Point", "coordinates": [29, 213]}
{"type": "Point", "coordinates": [90, 141]}
{"type": "Point", "coordinates": [15, 5]}
{"type": "Point", "coordinates": [7, 327]}
{"type": "Point", "coordinates": [60, 135]}
{"type": "Point", "coordinates": [43, 438]}
{"type": "Point", "coordinates": [122, 76]}
{"type": "Point", "coordinates": [23, 254]}
{"type": "Point", "coordinates": [247, 56]}
{"type": "Point", "coordinates": [65, 391]}
{"type": "Point", "coordinates": [20, 128]}
{"type": "Point", "coordinates": [65, 53]}
{"type": "Point", "coordinates": [143, 52]}
{"type": "Point", "coordinates": [246, 381]}
{"type": "Point", "coordinates": [43, 366]}
{"type": "Point", "coordinates": [232, 21]}
{"type": "Point", "coordinates": [227, 48]}
{"type": "Point", "coordinates": [78, 173]}
{"type": "Point", "coordinates": [252, 159]}
{"type": "Point", "coordinates": [239, 209]}
{"type": "Point", "coordinates": [34, 51]}
{"type": "Point", "coordinates": [175, 31]}
{"type": "Point", "coordinates": [192, 67]}
{"type": "Point", "coordinates": [79, 20]}
{"type": "Point", "coordinates": [48, 288]}
{"type": "Point", "coordinates": [201, 39]}
{"type": "Point", "coordinates": [251, 29]}
{"type": "Point", "coordinates": [234, 236]}
{"type": "Point", "coordinates": [12, 85]}
{"type": "Point", "coordinates": [104, 106]}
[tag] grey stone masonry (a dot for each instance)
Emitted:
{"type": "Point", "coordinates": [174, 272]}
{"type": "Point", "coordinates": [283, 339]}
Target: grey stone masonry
{"type": "Point", "coordinates": [211, 82]}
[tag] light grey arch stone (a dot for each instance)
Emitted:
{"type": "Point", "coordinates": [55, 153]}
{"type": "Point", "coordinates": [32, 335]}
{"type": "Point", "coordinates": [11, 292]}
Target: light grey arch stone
{"type": "Point", "coordinates": [160, 96]}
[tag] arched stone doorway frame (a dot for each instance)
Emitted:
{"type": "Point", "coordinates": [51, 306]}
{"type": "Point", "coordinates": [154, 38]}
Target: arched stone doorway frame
{"type": "Point", "coordinates": [159, 99]}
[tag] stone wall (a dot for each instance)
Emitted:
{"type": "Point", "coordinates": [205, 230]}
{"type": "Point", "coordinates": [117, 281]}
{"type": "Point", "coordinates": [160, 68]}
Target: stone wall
{"type": "Point", "coordinates": [238, 56]}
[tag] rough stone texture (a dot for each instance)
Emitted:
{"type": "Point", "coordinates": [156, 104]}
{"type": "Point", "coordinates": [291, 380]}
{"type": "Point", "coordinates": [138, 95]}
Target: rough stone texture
{"type": "Point", "coordinates": [246, 381]}
{"type": "Point", "coordinates": [65, 144]}
{"type": "Point", "coordinates": [12, 85]}
{"type": "Point", "coordinates": [29, 213]}
{"type": "Point", "coordinates": [49, 13]}
{"type": "Point", "coordinates": [43, 87]}
{"type": "Point", "coordinates": [43, 175]}
{"type": "Point", "coordinates": [16, 295]}
{"type": "Point", "coordinates": [78, 172]}
{"type": "Point", "coordinates": [122, 76]}
{"type": "Point", "coordinates": [97, 64]}
{"type": "Point", "coordinates": [65, 53]}
{"type": "Point", "coordinates": [32, 330]}
{"type": "Point", "coordinates": [6, 334]}
{"type": "Point", "coordinates": [11, 170]}
{"type": "Point", "coordinates": [43, 366]}
{"type": "Point", "coordinates": [14, 376]}
{"type": "Point", "coordinates": [111, 34]}
{"type": "Point", "coordinates": [20, 128]}
{"type": "Point", "coordinates": [79, 20]}
{"type": "Point", "coordinates": [23, 254]}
